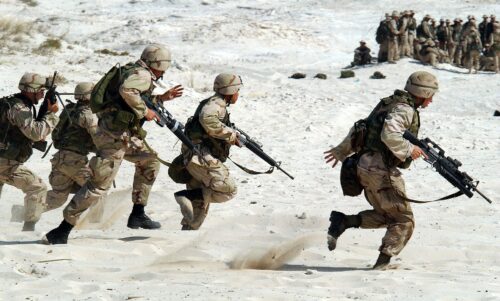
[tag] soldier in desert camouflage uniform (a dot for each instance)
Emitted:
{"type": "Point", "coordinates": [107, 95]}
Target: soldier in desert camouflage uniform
{"type": "Point", "coordinates": [120, 136]}
{"type": "Point", "coordinates": [473, 50]}
{"type": "Point", "coordinates": [73, 138]}
{"type": "Point", "coordinates": [383, 151]}
{"type": "Point", "coordinates": [19, 128]}
{"type": "Point", "coordinates": [412, 27]}
{"type": "Point", "coordinates": [429, 54]}
{"type": "Point", "coordinates": [394, 33]}
{"type": "Point", "coordinates": [210, 129]}
{"type": "Point", "coordinates": [495, 44]}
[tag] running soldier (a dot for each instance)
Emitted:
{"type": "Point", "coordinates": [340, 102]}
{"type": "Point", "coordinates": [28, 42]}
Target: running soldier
{"type": "Point", "coordinates": [384, 151]}
{"type": "Point", "coordinates": [20, 127]}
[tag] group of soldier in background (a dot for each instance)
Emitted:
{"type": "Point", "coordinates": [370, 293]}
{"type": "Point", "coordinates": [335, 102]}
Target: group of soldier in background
{"type": "Point", "coordinates": [112, 129]}
{"type": "Point", "coordinates": [469, 45]}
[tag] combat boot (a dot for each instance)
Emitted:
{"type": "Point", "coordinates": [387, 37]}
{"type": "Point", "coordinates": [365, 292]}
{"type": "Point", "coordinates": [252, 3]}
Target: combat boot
{"type": "Point", "coordinates": [139, 219]}
{"type": "Point", "coordinates": [339, 223]}
{"type": "Point", "coordinates": [58, 235]}
{"type": "Point", "coordinates": [29, 226]}
{"type": "Point", "coordinates": [382, 261]}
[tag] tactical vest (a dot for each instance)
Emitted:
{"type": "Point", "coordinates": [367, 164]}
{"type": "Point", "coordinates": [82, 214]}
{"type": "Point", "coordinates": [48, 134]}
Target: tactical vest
{"type": "Point", "coordinates": [68, 135]}
{"type": "Point", "coordinates": [123, 116]}
{"type": "Point", "coordinates": [195, 131]}
{"type": "Point", "coordinates": [16, 146]}
{"type": "Point", "coordinates": [375, 123]}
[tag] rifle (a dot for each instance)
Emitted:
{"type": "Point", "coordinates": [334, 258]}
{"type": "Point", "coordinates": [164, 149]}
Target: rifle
{"type": "Point", "coordinates": [166, 119]}
{"type": "Point", "coordinates": [447, 167]}
{"type": "Point", "coordinates": [50, 96]}
{"type": "Point", "coordinates": [256, 148]}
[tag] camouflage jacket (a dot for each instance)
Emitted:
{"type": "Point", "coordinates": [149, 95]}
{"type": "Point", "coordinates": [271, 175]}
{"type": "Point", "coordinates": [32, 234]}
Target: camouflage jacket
{"type": "Point", "coordinates": [402, 116]}
{"type": "Point", "coordinates": [19, 127]}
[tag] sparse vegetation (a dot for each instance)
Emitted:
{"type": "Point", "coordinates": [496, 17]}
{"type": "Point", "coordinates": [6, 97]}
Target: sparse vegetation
{"type": "Point", "coordinates": [31, 3]}
{"type": "Point", "coordinates": [111, 52]}
{"type": "Point", "coordinates": [49, 45]}
{"type": "Point", "coordinates": [13, 32]}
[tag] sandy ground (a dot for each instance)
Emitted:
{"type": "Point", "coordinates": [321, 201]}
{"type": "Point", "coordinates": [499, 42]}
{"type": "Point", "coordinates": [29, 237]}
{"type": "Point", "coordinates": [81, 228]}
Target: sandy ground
{"type": "Point", "coordinates": [269, 242]}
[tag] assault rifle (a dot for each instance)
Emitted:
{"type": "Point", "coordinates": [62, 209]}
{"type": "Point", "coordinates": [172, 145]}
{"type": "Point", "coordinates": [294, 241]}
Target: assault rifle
{"type": "Point", "coordinates": [50, 96]}
{"type": "Point", "coordinates": [166, 119]}
{"type": "Point", "coordinates": [447, 167]}
{"type": "Point", "coordinates": [256, 147]}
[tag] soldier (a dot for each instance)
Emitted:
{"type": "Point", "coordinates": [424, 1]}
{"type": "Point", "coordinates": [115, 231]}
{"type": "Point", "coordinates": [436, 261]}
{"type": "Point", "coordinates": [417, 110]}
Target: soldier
{"type": "Point", "coordinates": [381, 37]}
{"type": "Point", "coordinates": [73, 138]}
{"type": "Point", "coordinates": [210, 129]}
{"type": "Point", "coordinates": [457, 32]}
{"type": "Point", "coordinates": [19, 129]}
{"type": "Point", "coordinates": [120, 136]}
{"type": "Point", "coordinates": [433, 28]}
{"type": "Point", "coordinates": [418, 44]}
{"type": "Point", "coordinates": [442, 34]}
{"type": "Point", "coordinates": [412, 26]}
{"type": "Point", "coordinates": [489, 27]}
{"type": "Point", "coordinates": [473, 50]}
{"type": "Point", "coordinates": [495, 45]}
{"type": "Point", "coordinates": [393, 50]}
{"type": "Point", "coordinates": [383, 152]}
{"type": "Point", "coordinates": [424, 28]}
{"type": "Point", "coordinates": [482, 29]}
{"type": "Point", "coordinates": [361, 55]}
{"type": "Point", "coordinates": [404, 46]}
{"type": "Point", "coordinates": [429, 53]}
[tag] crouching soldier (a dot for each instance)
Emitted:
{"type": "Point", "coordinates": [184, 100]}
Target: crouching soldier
{"type": "Point", "coordinates": [376, 164]}
{"type": "Point", "coordinates": [210, 129]}
{"type": "Point", "coordinates": [19, 129]}
{"type": "Point", "coordinates": [73, 138]}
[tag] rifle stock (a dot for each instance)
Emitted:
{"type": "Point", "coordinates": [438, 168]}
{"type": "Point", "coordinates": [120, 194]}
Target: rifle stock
{"type": "Point", "coordinates": [446, 166]}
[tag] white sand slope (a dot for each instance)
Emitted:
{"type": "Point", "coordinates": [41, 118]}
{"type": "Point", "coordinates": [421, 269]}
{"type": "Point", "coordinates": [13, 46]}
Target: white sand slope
{"type": "Point", "coordinates": [256, 247]}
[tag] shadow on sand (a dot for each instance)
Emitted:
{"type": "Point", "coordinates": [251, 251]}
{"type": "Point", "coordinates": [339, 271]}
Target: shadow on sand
{"type": "Point", "coordinates": [303, 268]}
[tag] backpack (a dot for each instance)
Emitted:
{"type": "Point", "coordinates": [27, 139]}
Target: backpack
{"type": "Point", "coordinates": [382, 33]}
{"type": "Point", "coordinates": [98, 97]}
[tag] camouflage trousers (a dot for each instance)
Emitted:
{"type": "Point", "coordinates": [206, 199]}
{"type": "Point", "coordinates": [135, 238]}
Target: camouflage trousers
{"type": "Point", "coordinates": [15, 174]}
{"type": "Point", "coordinates": [473, 60]}
{"type": "Point", "coordinates": [430, 58]}
{"type": "Point", "coordinates": [387, 195]}
{"type": "Point", "coordinates": [70, 171]}
{"type": "Point", "coordinates": [393, 50]}
{"type": "Point", "coordinates": [497, 61]}
{"type": "Point", "coordinates": [404, 46]}
{"type": "Point", "coordinates": [411, 41]}
{"type": "Point", "coordinates": [382, 52]}
{"type": "Point", "coordinates": [112, 150]}
{"type": "Point", "coordinates": [216, 184]}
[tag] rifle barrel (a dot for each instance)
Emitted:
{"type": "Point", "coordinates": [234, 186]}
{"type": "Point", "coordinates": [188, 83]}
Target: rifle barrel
{"type": "Point", "coordinates": [481, 194]}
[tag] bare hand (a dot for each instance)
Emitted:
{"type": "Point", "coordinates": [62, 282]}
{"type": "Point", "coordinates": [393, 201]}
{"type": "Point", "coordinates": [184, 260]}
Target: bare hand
{"type": "Point", "coordinates": [52, 107]}
{"type": "Point", "coordinates": [330, 156]}
{"type": "Point", "coordinates": [238, 142]}
{"type": "Point", "coordinates": [172, 93]}
{"type": "Point", "coordinates": [150, 115]}
{"type": "Point", "coordinates": [417, 152]}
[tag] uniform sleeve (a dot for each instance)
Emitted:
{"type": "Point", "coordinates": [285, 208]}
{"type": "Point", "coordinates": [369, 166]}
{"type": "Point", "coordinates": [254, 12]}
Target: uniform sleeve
{"type": "Point", "coordinates": [88, 121]}
{"type": "Point", "coordinates": [393, 27]}
{"type": "Point", "coordinates": [397, 121]}
{"type": "Point", "coordinates": [131, 89]}
{"type": "Point", "coordinates": [344, 149]}
{"type": "Point", "coordinates": [22, 117]}
{"type": "Point", "coordinates": [210, 117]}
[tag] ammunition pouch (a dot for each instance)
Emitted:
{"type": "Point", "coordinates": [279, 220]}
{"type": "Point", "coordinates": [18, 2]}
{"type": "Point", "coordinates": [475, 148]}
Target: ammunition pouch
{"type": "Point", "coordinates": [14, 152]}
{"type": "Point", "coordinates": [123, 120]}
{"type": "Point", "coordinates": [349, 176]}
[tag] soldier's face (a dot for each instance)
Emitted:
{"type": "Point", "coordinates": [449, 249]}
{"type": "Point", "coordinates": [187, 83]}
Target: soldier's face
{"type": "Point", "coordinates": [37, 96]}
{"type": "Point", "coordinates": [234, 98]}
{"type": "Point", "coordinates": [157, 73]}
{"type": "Point", "coordinates": [426, 102]}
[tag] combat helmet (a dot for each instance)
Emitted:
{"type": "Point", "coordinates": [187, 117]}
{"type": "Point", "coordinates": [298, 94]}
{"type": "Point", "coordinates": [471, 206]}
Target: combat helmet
{"type": "Point", "coordinates": [156, 56]}
{"type": "Point", "coordinates": [227, 84]}
{"type": "Point", "coordinates": [83, 91]}
{"type": "Point", "coordinates": [422, 84]}
{"type": "Point", "coordinates": [32, 82]}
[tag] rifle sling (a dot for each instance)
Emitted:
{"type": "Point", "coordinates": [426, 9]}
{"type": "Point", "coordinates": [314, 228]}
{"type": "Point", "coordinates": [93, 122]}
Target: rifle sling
{"type": "Point", "coordinates": [253, 172]}
{"type": "Point", "coordinates": [450, 196]}
{"type": "Point", "coordinates": [166, 163]}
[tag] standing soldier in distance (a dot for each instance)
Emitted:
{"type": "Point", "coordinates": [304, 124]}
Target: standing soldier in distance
{"type": "Point", "coordinates": [393, 50]}
{"type": "Point", "coordinates": [473, 50]}
{"type": "Point", "coordinates": [210, 129]}
{"type": "Point", "coordinates": [404, 47]}
{"type": "Point", "coordinates": [120, 136]}
{"type": "Point", "coordinates": [385, 150]}
{"type": "Point", "coordinates": [489, 27]}
{"type": "Point", "coordinates": [19, 128]}
{"type": "Point", "coordinates": [73, 139]}
{"type": "Point", "coordinates": [412, 27]}
{"type": "Point", "coordinates": [382, 38]}
{"type": "Point", "coordinates": [482, 29]}
{"type": "Point", "coordinates": [495, 45]}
